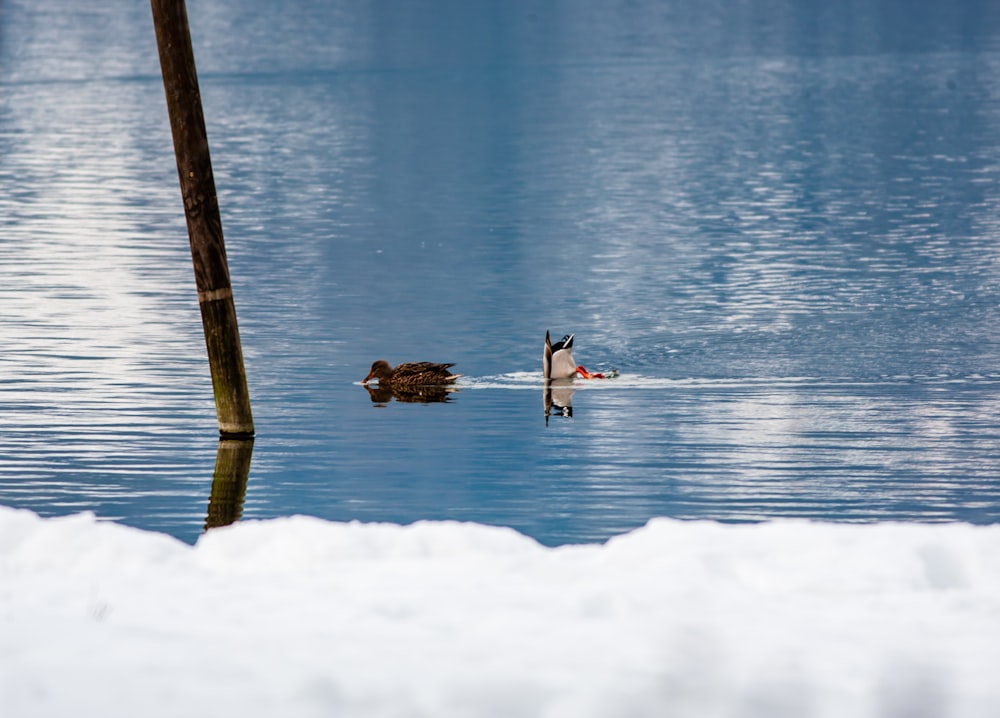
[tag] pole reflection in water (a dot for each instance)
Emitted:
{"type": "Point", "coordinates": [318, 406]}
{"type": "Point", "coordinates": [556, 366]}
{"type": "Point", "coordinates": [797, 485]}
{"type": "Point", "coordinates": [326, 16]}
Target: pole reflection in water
{"type": "Point", "coordinates": [229, 482]}
{"type": "Point", "coordinates": [558, 398]}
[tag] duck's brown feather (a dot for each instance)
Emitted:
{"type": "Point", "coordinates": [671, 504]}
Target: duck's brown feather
{"type": "Point", "coordinates": [422, 373]}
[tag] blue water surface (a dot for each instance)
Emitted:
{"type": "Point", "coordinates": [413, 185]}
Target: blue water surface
{"type": "Point", "coordinates": [778, 221]}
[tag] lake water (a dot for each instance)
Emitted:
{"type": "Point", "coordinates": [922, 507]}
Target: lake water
{"type": "Point", "coordinates": [778, 220]}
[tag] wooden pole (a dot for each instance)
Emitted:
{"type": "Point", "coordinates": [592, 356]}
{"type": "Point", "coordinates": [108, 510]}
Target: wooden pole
{"type": "Point", "coordinates": [204, 224]}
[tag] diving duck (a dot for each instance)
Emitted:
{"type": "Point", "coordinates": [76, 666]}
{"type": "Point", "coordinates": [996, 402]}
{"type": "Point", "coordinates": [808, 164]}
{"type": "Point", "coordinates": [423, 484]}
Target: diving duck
{"type": "Point", "coordinates": [558, 363]}
{"type": "Point", "coordinates": [421, 373]}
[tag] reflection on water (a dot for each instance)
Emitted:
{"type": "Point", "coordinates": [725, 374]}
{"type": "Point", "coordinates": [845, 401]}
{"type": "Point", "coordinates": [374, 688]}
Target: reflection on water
{"type": "Point", "coordinates": [780, 225]}
{"type": "Point", "coordinates": [229, 482]}
{"type": "Point", "coordinates": [557, 397]}
{"type": "Point", "coordinates": [382, 395]}
{"type": "Point", "coordinates": [904, 448]}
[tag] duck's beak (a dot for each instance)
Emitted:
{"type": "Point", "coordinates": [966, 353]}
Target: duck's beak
{"type": "Point", "coordinates": [368, 378]}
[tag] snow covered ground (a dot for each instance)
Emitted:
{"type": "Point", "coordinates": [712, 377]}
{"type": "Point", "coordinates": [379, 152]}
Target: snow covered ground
{"type": "Point", "coordinates": [303, 617]}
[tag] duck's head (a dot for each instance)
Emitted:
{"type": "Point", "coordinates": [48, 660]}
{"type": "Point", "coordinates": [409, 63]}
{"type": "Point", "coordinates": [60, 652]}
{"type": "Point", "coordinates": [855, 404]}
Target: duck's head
{"type": "Point", "coordinates": [380, 370]}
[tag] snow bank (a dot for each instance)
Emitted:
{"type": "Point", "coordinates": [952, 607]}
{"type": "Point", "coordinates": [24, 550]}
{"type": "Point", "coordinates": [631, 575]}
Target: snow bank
{"type": "Point", "coordinates": [303, 617]}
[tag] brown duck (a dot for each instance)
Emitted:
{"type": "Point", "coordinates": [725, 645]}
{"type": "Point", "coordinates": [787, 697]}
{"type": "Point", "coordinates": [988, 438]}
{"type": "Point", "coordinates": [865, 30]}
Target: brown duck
{"type": "Point", "coordinates": [421, 373]}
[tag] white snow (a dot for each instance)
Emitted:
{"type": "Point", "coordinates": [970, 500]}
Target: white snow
{"type": "Point", "coordinates": [304, 617]}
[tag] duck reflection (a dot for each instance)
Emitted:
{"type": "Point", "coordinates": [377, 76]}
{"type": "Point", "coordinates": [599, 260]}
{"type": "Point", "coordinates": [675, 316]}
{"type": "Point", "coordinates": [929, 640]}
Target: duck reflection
{"type": "Point", "coordinates": [558, 398]}
{"type": "Point", "coordinates": [382, 394]}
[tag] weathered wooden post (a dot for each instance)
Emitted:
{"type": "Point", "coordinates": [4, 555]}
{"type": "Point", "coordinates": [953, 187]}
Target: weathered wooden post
{"type": "Point", "coordinates": [201, 208]}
